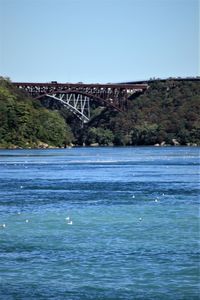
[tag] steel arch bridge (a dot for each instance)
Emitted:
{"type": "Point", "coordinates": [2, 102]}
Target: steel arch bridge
{"type": "Point", "coordinates": [77, 96]}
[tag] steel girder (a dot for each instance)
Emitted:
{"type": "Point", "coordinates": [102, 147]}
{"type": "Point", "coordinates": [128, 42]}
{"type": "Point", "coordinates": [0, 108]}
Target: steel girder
{"type": "Point", "coordinates": [78, 104]}
{"type": "Point", "coordinates": [77, 97]}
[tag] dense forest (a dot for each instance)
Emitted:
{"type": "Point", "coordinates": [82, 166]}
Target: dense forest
{"type": "Point", "coordinates": [24, 123]}
{"type": "Point", "coordinates": [166, 114]}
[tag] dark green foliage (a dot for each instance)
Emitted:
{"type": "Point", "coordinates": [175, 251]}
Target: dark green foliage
{"type": "Point", "coordinates": [99, 135]}
{"type": "Point", "coordinates": [25, 123]}
{"type": "Point", "coordinates": [166, 111]}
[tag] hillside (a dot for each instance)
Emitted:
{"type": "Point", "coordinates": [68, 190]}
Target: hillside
{"type": "Point", "coordinates": [25, 123]}
{"type": "Point", "coordinates": [166, 114]}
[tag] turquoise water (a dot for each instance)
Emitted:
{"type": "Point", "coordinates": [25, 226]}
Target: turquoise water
{"type": "Point", "coordinates": [99, 223]}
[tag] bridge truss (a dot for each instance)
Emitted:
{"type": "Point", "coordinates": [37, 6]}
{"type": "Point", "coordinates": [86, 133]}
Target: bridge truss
{"type": "Point", "coordinates": [77, 97]}
{"type": "Point", "coordinates": [78, 104]}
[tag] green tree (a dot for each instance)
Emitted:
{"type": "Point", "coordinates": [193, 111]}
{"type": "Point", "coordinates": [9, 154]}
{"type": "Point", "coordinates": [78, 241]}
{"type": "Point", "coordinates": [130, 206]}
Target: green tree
{"type": "Point", "coordinates": [24, 123]}
{"type": "Point", "coordinates": [100, 136]}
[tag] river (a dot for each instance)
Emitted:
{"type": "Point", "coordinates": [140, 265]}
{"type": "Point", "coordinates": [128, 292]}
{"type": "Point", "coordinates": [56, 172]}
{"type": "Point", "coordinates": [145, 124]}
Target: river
{"type": "Point", "coordinates": [99, 223]}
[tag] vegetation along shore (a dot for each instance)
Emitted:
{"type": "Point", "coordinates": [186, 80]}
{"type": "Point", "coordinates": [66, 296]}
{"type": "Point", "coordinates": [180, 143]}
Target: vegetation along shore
{"type": "Point", "coordinates": [165, 114]}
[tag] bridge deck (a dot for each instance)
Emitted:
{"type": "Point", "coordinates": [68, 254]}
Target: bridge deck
{"type": "Point", "coordinates": [76, 96]}
{"type": "Point", "coordinates": [83, 85]}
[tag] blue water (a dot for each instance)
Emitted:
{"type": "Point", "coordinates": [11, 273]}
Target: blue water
{"type": "Point", "coordinates": [135, 223]}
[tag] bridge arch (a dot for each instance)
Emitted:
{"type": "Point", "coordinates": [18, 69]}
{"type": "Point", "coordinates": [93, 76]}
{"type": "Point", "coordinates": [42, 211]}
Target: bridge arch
{"type": "Point", "coordinates": [77, 96]}
{"type": "Point", "coordinates": [77, 102]}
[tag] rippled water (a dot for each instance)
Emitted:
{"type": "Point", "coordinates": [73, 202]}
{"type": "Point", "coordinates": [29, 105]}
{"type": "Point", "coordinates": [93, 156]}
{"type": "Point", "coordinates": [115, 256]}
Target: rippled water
{"type": "Point", "coordinates": [134, 231]}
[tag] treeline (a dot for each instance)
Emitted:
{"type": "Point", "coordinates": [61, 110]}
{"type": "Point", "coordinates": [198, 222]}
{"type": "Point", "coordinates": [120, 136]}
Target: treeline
{"type": "Point", "coordinates": [25, 123]}
{"type": "Point", "coordinates": [166, 114]}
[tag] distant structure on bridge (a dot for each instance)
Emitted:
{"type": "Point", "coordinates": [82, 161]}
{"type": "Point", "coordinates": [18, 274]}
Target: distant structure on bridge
{"type": "Point", "coordinates": [77, 96]}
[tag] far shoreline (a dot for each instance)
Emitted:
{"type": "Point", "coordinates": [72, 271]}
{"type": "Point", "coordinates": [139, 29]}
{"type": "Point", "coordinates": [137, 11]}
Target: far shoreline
{"type": "Point", "coordinates": [97, 146]}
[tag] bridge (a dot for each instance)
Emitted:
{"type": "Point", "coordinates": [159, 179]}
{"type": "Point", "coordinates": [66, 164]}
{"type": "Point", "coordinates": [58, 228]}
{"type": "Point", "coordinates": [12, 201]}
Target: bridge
{"type": "Point", "coordinates": [77, 96]}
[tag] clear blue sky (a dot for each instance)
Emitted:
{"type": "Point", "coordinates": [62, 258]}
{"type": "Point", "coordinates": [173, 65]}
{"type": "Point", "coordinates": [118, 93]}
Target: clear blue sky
{"type": "Point", "coordinates": [98, 40]}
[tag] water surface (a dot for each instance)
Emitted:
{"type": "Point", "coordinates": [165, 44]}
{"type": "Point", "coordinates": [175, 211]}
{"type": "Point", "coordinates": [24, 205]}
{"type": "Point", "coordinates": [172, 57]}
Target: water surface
{"type": "Point", "coordinates": [134, 231]}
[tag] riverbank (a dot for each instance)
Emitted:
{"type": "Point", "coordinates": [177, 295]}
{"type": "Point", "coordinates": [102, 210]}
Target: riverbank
{"type": "Point", "coordinates": [166, 114]}
{"type": "Point", "coordinates": [43, 147]}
